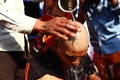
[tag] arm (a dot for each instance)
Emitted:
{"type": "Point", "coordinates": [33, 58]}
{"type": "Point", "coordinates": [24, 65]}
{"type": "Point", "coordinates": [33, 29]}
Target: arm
{"type": "Point", "coordinates": [12, 17]}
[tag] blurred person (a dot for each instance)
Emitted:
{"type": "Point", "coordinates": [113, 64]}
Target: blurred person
{"type": "Point", "coordinates": [80, 63]}
{"type": "Point", "coordinates": [14, 24]}
{"type": "Point", "coordinates": [103, 20]}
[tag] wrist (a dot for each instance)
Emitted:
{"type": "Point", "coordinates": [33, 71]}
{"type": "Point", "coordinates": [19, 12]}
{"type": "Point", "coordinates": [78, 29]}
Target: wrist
{"type": "Point", "coordinates": [39, 26]}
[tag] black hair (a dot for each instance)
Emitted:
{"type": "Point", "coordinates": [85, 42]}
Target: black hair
{"type": "Point", "coordinates": [92, 1]}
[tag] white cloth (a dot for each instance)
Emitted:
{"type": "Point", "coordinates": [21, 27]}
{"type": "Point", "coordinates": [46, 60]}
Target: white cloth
{"type": "Point", "coordinates": [13, 25]}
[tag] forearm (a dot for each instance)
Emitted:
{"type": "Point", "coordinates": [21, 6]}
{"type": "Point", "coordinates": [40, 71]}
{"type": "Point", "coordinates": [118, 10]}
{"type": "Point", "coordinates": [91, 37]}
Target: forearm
{"type": "Point", "coordinates": [12, 16]}
{"type": "Point", "coordinates": [17, 22]}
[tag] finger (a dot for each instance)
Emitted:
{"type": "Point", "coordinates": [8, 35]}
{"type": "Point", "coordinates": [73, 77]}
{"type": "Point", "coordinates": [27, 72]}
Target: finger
{"type": "Point", "coordinates": [63, 32]}
{"type": "Point", "coordinates": [61, 20]}
{"type": "Point", "coordinates": [67, 28]}
{"type": "Point", "coordinates": [57, 31]}
{"type": "Point", "coordinates": [72, 25]}
{"type": "Point", "coordinates": [59, 35]}
{"type": "Point", "coordinates": [60, 30]}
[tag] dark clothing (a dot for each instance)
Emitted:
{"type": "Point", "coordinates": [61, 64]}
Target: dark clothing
{"type": "Point", "coordinates": [32, 9]}
{"type": "Point", "coordinates": [46, 63]}
{"type": "Point", "coordinates": [49, 63]}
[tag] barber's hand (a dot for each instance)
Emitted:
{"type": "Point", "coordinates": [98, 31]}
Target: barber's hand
{"type": "Point", "coordinates": [60, 27]}
{"type": "Point", "coordinates": [49, 77]}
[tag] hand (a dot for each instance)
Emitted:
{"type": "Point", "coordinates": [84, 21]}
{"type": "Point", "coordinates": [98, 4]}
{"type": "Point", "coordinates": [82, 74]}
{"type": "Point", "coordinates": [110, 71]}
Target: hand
{"type": "Point", "coordinates": [60, 27]}
{"type": "Point", "coordinates": [69, 51]}
{"type": "Point", "coordinates": [49, 77]}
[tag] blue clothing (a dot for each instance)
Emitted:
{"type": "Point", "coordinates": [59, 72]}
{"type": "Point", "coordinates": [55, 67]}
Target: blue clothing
{"type": "Point", "coordinates": [105, 20]}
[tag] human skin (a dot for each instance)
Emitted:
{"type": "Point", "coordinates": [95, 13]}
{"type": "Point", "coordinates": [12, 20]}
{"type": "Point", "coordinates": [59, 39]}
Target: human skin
{"type": "Point", "coordinates": [60, 27]}
{"type": "Point", "coordinates": [49, 77]}
{"type": "Point", "coordinates": [70, 48]}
